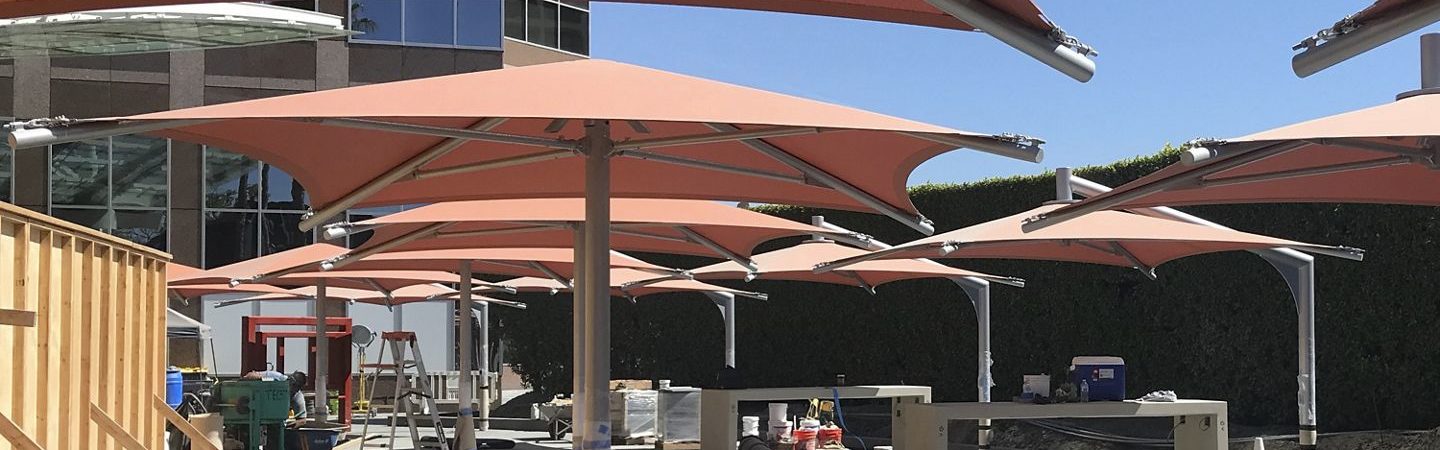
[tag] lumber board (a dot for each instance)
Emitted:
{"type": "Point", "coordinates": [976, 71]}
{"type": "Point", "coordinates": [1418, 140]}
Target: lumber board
{"type": "Point", "coordinates": [16, 436]}
{"type": "Point", "coordinates": [198, 440]}
{"type": "Point", "coordinates": [108, 425]}
{"type": "Point", "coordinates": [18, 318]}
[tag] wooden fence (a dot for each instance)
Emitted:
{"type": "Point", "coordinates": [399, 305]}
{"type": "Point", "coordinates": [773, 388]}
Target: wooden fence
{"type": "Point", "coordinates": [82, 337]}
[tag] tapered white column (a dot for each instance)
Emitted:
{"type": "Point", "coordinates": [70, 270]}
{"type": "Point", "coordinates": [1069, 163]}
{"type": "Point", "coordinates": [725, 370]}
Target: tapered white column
{"type": "Point", "coordinates": [979, 292]}
{"type": "Point", "coordinates": [726, 302]}
{"type": "Point", "coordinates": [482, 407]}
{"type": "Point", "coordinates": [322, 356]}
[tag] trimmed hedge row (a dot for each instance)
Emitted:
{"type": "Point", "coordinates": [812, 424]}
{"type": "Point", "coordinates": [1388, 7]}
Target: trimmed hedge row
{"type": "Point", "coordinates": [1213, 326]}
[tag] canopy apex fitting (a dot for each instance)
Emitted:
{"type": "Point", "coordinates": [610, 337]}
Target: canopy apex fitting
{"type": "Point", "coordinates": [1061, 37]}
{"type": "Point", "coordinates": [1019, 139]}
{"type": "Point", "coordinates": [1340, 28]}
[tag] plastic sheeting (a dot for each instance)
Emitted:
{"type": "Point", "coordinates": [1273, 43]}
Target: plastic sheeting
{"type": "Point", "coordinates": [633, 413]}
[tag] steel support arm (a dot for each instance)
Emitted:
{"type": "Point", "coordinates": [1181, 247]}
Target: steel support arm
{"type": "Point", "coordinates": [1037, 44]}
{"type": "Point", "coordinates": [1190, 177]}
{"type": "Point", "coordinates": [45, 132]}
{"type": "Point", "coordinates": [1346, 39]}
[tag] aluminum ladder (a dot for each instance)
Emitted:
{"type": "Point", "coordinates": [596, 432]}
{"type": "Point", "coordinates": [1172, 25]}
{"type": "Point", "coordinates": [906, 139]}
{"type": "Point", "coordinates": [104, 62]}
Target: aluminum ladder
{"type": "Point", "coordinates": [399, 342]}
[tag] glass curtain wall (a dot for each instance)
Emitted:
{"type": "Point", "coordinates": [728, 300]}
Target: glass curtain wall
{"type": "Point", "coordinates": [428, 23]}
{"type": "Point", "coordinates": [251, 209]}
{"type": "Point", "coordinates": [562, 24]}
{"type": "Point", "coordinates": [120, 185]}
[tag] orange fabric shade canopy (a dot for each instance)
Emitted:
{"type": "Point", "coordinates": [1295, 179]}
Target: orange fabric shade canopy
{"type": "Point", "coordinates": [1107, 237]}
{"type": "Point", "coordinates": [647, 225]}
{"type": "Point", "coordinates": [516, 132]}
{"type": "Point", "coordinates": [1382, 154]}
{"type": "Point", "coordinates": [798, 263]}
{"type": "Point", "coordinates": [303, 256]}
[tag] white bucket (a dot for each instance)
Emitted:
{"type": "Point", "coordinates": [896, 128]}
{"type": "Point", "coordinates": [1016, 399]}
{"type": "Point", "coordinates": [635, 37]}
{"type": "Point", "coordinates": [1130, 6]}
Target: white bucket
{"type": "Point", "coordinates": [780, 431]}
{"type": "Point", "coordinates": [750, 426]}
{"type": "Point", "coordinates": [778, 411]}
{"type": "Point", "coordinates": [1039, 385]}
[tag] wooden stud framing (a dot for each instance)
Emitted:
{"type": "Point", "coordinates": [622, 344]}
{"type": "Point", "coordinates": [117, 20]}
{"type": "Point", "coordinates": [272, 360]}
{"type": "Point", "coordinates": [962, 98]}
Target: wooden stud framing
{"type": "Point", "coordinates": [82, 319]}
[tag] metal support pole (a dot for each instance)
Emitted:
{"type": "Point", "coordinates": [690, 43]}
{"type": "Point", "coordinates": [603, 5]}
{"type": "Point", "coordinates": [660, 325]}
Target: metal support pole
{"type": "Point", "coordinates": [594, 432]}
{"type": "Point", "coordinates": [465, 419]}
{"type": "Point", "coordinates": [577, 362]}
{"type": "Point", "coordinates": [1430, 61]}
{"type": "Point", "coordinates": [322, 356]}
{"type": "Point", "coordinates": [1298, 269]}
{"type": "Point", "coordinates": [979, 292]}
{"type": "Point", "coordinates": [726, 302]}
{"type": "Point", "coordinates": [1063, 193]}
{"type": "Point", "coordinates": [483, 406]}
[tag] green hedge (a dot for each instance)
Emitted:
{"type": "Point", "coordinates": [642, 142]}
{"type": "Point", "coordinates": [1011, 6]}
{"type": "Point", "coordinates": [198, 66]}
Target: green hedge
{"type": "Point", "coordinates": [1219, 326]}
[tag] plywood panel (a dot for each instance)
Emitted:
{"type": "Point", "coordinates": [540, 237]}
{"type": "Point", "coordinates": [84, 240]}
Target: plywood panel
{"type": "Point", "coordinates": [98, 343]}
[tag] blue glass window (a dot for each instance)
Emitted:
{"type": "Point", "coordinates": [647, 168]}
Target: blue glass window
{"type": "Point", "coordinates": [479, 23]}
{"type": "Point", "coordinates": [6, 172]}
{"type": "Point", "coordinates": [430, 22]}
{"type": "Point", "coordinates": [378, 20]}
{"type": "Point", "coordinates": [464, 23]}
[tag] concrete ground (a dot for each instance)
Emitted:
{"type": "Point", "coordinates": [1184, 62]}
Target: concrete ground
{"type": "Point", "coordinates": [524, 440]}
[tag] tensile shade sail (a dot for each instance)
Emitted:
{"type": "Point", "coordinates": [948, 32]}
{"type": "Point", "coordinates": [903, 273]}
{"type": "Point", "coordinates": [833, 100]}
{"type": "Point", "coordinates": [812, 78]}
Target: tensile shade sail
{"type": "Point", "coordinates": [798, 263]}
{"type": "Point", "coordinates": [1383, 154]}
{"type": "Point", "coordinates": [686, 227]}
{"type": "Point", "coordinates": [588, 128]}
{"type": "Point", "coordinates": [1107, 237]}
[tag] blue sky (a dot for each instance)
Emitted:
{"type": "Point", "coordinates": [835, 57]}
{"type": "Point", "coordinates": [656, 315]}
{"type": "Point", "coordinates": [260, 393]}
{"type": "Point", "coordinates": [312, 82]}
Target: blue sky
{"type": "Point", "coordinates": [1169, 71]}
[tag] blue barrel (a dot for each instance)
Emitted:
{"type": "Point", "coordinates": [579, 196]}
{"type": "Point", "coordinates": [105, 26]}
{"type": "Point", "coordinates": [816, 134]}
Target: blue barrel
{"type": "Point", "coordinates": [319, 439]}
{"type": "Point", "coordinates": [174, 387]}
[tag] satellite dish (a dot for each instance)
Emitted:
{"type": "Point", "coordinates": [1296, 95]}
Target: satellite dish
{"type": "Point", "coordinates": [361, 336]}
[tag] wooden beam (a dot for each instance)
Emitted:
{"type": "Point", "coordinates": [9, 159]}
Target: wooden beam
{"type": "Point", "coordinates": [17, 317]}
{"type": "Point", "coordinates": [197, 438]}
{"type": "Point", "coordinates": [16, 436]}
{"type": "Point", "coordinates": [116, 431]}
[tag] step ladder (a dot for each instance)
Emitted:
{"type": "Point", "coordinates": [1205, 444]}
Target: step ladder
{"type": "Point", "coordinates": [399, 342]}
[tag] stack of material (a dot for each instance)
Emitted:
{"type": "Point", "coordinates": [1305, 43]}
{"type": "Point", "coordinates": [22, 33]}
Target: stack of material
{"type": "Point", "coordinates": [632, 413]}
{"type": "Point", "coordinates": [679, 414]}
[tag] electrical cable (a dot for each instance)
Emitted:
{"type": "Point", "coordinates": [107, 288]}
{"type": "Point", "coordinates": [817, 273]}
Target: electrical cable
{"type": "Point", "coordinates": [840, 415]}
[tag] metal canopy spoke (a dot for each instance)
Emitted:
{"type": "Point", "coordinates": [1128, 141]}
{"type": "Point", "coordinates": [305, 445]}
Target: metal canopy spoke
{"type": "Point", "coordinates": [537, 265]}
{"type": "Point", "coordinates": [711, 138]}
{"type": "Point", "coordinates": [446, 132]}
{"type": "Point", "coordinates": [918, 222]}
{"type": "Point", "coordinates": [425, 231]}
{"type": "Point", "coordinates": [393, 175]}
{"type": "Point", "coordinates": [718, 167]}
{"type": "Point", "coordinates": [698, 238]}
{"type": "Point", "coordinates": [425, 174]}
{"type": "Point", "coordinates": [1308, 171]}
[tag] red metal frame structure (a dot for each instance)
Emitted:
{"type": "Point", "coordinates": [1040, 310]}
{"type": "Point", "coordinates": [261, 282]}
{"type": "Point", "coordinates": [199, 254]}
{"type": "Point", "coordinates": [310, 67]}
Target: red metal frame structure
{"type": "Point", "coordinates": [255, 346]}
